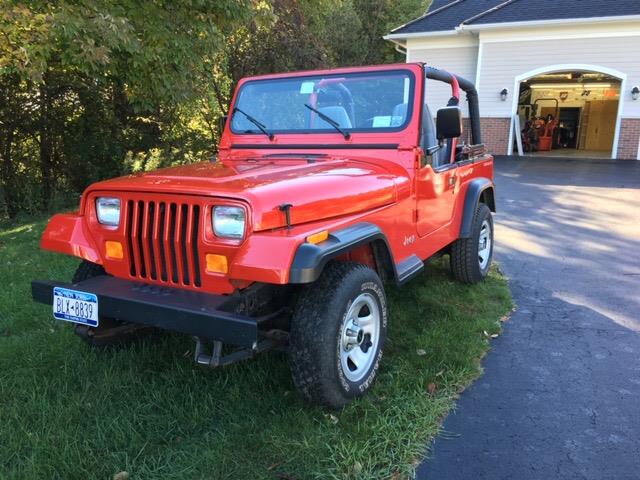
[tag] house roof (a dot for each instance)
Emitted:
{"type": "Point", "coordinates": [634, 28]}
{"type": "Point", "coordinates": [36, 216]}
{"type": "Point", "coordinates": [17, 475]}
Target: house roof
{"type": "Point", "coordinates": [446, 15]}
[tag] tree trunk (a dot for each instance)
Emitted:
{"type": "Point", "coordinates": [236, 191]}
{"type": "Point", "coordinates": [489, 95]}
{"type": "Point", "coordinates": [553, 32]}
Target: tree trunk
{"type": "Point", "coordinates": [46, 146]}
{"type": "Point", "coordinates": [9, 187]}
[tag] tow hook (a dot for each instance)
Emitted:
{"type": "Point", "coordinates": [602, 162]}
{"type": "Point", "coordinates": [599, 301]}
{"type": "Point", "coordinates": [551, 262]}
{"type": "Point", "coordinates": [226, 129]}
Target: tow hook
{"type": "Point", "coordinates": [213, 357]}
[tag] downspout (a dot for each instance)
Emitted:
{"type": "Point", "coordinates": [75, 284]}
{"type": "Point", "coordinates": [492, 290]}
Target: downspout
{"type": "Point", "coordinates": [399, 47]}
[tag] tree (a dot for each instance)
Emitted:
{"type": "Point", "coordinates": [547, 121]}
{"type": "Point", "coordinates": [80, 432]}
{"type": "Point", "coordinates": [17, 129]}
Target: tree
{"type": "Point", "coordinates": [91, 89]}
{"type": "Point", "coordinates": [99, 78]}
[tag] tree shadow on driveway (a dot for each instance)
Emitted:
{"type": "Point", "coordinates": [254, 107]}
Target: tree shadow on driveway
{"type": "Point", "coordinates": [559, 398]}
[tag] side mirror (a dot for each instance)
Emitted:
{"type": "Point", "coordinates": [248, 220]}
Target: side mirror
{"type": "Point", "coordinates": [222, 121]}
{"type": "Point", "coordinates": [449, 123]}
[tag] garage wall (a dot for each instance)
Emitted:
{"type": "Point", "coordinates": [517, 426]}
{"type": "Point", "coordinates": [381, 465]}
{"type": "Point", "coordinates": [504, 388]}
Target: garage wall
{"type": "Point", "coordinates": [504, 53]}
{"type": "Point", "coordinates": [503, 61]}
{"type": "Point", "coordinates": [461, 60]}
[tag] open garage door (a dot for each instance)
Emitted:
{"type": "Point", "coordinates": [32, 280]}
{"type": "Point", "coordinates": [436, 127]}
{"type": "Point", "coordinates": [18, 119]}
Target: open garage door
{"type": "Point", "coordinates": [567, 114]}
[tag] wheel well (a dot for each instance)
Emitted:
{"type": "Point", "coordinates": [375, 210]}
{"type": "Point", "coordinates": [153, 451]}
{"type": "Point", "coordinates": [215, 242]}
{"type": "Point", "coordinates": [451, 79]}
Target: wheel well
{"type": "Point", "coordinates": [374, 254]}
{"type": "Point", "coordinates": [488, 198]}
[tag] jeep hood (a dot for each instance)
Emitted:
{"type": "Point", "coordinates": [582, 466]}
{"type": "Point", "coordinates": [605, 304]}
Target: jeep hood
{"type": "Point", "coordinates": [319, 190]}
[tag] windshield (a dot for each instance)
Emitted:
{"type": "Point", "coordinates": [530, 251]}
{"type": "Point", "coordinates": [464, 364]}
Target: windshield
{"type": "Point", "coordinates": [352, 102]}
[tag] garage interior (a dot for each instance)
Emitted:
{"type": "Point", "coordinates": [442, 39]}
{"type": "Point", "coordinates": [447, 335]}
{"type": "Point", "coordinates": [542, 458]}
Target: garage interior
{"type": "Point", "coordinates": [568, 114]}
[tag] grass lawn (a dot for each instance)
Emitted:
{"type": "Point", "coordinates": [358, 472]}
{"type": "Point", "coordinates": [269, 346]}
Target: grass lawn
{"type": "Point", "coordinates": [72, 413]}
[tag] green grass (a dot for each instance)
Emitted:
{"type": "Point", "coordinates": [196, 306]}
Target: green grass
{"type": "Point", "coordinates": [69, 412]}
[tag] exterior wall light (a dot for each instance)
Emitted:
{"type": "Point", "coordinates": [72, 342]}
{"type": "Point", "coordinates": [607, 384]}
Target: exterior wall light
{"type": "Point", "coordinates": [635, 93]}
{"type": "Point", "coordinates": [504, 93]}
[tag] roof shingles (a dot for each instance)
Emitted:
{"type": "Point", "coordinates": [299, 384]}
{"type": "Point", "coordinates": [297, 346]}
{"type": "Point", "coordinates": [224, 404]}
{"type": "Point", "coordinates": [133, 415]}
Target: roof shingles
{"type": "Point", "coordinates": [447, 15]}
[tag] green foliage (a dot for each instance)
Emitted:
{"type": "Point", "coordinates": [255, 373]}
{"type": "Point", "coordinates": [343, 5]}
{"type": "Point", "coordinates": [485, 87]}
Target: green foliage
{"type": "Point", "coordinates": [91, 89]}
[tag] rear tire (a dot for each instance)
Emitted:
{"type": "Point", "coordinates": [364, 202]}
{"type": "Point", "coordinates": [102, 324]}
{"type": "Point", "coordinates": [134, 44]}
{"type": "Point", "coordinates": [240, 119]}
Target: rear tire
{"type": "Point", "coordinates": [471, 257]}
{"type": "Point", "coordinates": [337, 336]}
{"type": "Point", "coordinates": [110, 332]}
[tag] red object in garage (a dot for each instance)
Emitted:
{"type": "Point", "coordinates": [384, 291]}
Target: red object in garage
{"type": "Point", "coordinates": [544, 144]}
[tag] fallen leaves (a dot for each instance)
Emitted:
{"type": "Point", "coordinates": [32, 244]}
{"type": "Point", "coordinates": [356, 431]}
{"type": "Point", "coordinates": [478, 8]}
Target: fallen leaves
{"type": "Point", "coordinates": [432, 388]}
{"type": "Point", "coordinates": [332, 418]}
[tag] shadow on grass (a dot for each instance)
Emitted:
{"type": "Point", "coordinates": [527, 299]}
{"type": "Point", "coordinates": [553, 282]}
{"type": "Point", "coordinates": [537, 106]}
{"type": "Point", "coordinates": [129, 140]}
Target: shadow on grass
{"type": "Point", "coordinates": [70, 412]}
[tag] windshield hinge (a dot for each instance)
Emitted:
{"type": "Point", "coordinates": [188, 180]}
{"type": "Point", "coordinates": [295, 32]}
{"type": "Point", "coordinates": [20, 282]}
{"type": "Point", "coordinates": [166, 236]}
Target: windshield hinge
{"type": "Point", "coordinates": [406, 148]}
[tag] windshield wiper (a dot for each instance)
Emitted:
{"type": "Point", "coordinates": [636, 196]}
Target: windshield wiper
{"type": "Point", "coordinates": [330, 121]}
{"type": "Point", "coordinates": [257, 123]}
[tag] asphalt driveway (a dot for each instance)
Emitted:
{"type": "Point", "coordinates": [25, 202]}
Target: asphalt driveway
{"type": "Point", "coordinates": [560, 397]}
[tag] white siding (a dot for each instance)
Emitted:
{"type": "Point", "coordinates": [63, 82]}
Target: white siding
{"type": "Point", "coordinates": [503, 61]}
{"type": "Point", "coordinates": [459, 60]}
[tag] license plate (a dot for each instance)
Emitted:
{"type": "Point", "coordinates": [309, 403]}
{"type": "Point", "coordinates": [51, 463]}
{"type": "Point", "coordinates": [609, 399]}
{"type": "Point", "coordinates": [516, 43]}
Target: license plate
{"type": "Point", "coordinates": [74, 306]}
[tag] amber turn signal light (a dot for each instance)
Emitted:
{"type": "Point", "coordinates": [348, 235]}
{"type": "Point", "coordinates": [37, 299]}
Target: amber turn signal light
{"type": "Point", "coordinates": [216, 263]}
{"type": "Point", "coordinates": [114, 250]}
{"type": "Point", "coordinates": [318, 237]}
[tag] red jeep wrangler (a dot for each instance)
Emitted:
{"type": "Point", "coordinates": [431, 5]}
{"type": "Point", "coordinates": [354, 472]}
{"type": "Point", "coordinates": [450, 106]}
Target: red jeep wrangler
{"type": "Point", "coordinates": [327, 185]}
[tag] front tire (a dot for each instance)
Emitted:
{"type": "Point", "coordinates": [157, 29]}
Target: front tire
{"type": "Point", "coordinates": [337, 336]}
{"type": "Point", "coordinates": [110, 332]}
{"type": "Point", "coordinates": [471, 257]}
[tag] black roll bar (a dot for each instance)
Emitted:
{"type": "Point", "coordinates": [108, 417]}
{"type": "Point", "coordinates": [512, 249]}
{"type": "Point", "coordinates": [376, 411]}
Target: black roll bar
{"type": "Point", "coordinates": [472, 98]}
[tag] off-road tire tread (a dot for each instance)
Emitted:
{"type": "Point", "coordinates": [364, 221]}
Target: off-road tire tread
{"type": "Point", "coordinates": [87, 270]}
{"type": "Point", "coordinates": [310, 329]}
{"type": "Point", "coordinates": [464, 259]}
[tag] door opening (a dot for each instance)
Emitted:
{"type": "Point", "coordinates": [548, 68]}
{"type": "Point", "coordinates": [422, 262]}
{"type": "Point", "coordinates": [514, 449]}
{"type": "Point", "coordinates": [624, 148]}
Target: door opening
{"type": "Point", "coordinates": [568, 114]}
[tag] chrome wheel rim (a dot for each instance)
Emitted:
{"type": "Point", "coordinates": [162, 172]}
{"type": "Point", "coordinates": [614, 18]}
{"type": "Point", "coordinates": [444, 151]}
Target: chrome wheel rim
{"type": "Point", "coordinates": [484, 245]}
{"type": "Point", "coordinates": [360, 337]}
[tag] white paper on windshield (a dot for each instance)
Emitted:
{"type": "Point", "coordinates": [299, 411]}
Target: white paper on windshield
{"type": "Point", "coordinates": [306, 88]}
{"type": "Point", "coordinates": [407, 84]}
{"type": "Point", "coordinates": [397, 120]}
{"type": "Point", "coordinates": [382, 121]}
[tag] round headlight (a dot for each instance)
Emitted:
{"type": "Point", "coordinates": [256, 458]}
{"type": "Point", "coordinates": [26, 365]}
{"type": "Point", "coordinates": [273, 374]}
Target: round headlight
{"type": "Point", "coordinates": [228, 222]}
{"type": "Point", "coordinates": [108, 211]}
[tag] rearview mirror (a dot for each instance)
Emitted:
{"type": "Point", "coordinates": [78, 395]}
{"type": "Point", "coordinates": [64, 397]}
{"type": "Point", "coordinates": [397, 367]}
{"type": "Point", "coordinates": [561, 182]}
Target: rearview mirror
{"type": "Point", "coordinates": [222, 121]}
{"type": "Point", "coordinates": [449, 123]}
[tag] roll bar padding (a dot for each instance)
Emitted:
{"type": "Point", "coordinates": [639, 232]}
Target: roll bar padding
{"type": "Point", "coordinates": [472, 98]}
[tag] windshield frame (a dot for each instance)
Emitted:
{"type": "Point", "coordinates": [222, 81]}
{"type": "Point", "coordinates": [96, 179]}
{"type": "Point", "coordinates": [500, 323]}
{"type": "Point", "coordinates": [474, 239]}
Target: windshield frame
{"type": "Point", "coordinates": [409, 73]}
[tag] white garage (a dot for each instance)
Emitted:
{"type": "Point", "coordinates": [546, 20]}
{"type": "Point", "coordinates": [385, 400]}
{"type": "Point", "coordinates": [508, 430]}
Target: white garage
{"type": "Point", "coordinates": [555, 78]}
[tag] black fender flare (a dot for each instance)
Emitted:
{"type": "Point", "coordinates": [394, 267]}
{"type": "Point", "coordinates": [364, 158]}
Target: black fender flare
{"type": "Point", "coordinates": [478, 188]}
{"type": "Point", "coordinates": [310, 259]}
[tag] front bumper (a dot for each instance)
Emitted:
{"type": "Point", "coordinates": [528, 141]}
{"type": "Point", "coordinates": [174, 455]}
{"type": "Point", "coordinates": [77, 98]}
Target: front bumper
{"type": "Point", "coordinates": [199, 314]}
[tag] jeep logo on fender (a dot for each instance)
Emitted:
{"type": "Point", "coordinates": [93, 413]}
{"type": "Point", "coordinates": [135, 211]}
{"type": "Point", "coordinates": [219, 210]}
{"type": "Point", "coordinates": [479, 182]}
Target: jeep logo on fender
{"type": "Point", "coordinates": [409, 240]}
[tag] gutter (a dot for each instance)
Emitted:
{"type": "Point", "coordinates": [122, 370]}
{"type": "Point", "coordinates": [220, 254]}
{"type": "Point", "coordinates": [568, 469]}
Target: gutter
{"type": "Point", "coordinates": [463, 27]}
{"type": "Point", "coordinates": [403, 36]}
